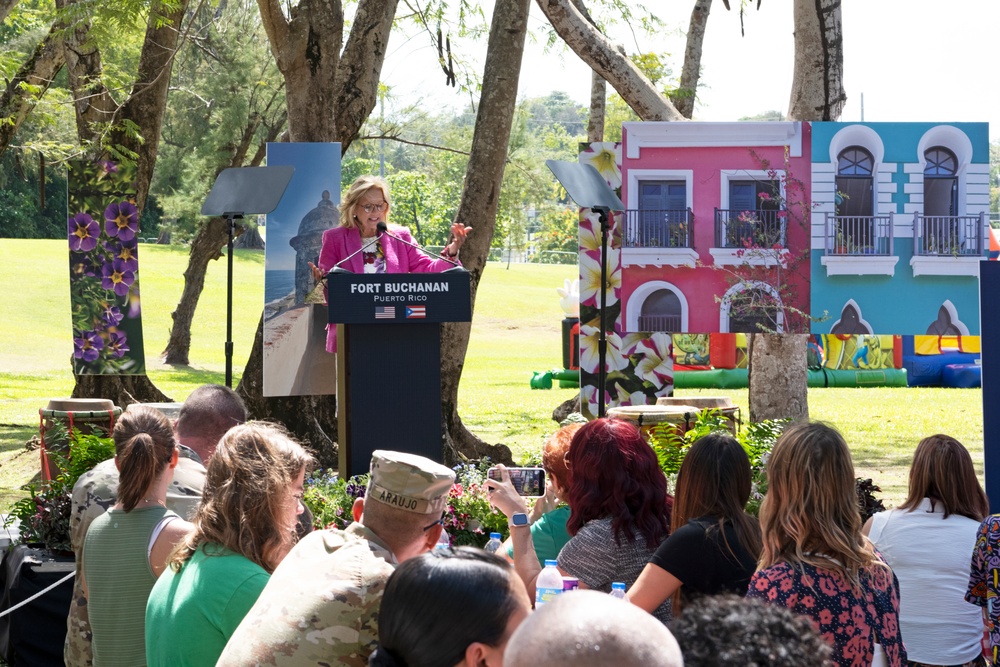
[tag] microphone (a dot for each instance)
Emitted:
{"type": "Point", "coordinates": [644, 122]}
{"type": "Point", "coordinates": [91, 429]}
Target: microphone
{"type": "Point", "coordinates": [337, 268]}
{"type": "Point", "coordinates": [456, 267]}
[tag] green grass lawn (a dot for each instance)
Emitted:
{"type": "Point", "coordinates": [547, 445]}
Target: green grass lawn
{"type": "Point", "coordinates": [516, 331]}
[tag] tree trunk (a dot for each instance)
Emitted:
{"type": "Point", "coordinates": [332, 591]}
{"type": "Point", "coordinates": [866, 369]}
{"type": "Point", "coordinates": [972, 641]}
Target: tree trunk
{"type": "Point", "coordinates": [778, 375]}
{"type": "Point", "coordinates": [480, 196]}
{"type": "Point", "coordinates": [818, 79]}
{"type": "Point", "coordinates": [143, 111]}
{"type": "Point", "coordinates": [205, 247]}
{"type": "Point", "coordinates": [92, 102]}
{"type": "Point", "coordinates": [595, 49]}
{"type": "Point", "coordinates": [598, 108]}
{"type": "Point", "coordinates": [683, 98]}
{"type": "Point", "coordinates": [30, 83]}
{"type": "Point", "coordinates": [329, 95]}
{"type": "Point", "coordinates": [5, 7]}
{"type": "Point", "coordinates": [147, 101]}
{"type": "Point", "coordinates": [250, 239]}
{"type": "Point", "coordinates": [122, 389]}
{"type": "Point", "coordinates": [310, 418]}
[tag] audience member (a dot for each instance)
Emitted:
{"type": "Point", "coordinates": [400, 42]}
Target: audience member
{"type": "Point", "coordinates": [449, 608]}
{"type": "Point", "coordinates": [591, 629]}
{"type": "Point", "coordinates": [984, 581]}
{"type": "Point", "coordinates": [815, 561]}
{"type": "Point", "coordinates": [927, 541]}
{"type": "Point", "coordinates": [207, 414]}
{"type": "Point", "coordinates": [730, 630]}
{"type": "Point", "coordinates": [550, 513]}
{"type": "Point", "coordinates": [244, 527]}
{"type": "Point", "coordinates": [127, 548]}
{"type": "Point", "coordinates": [619, 510]}
{"type": "Point", "coordinates": [321, 605]}
{"type": "Point", "coordinates": [714, 544]}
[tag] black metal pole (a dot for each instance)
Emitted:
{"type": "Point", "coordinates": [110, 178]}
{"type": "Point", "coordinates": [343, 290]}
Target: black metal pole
{"type": "Point", "coordinates": [231, 224]}
{"type": "Point", "coordinates": [602, 340]}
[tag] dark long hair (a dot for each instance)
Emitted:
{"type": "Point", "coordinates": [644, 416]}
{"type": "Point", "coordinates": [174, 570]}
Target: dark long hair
{"type": "Point", "coordinates": [714, 481]}
{"type": "Point", "coordinates": [614, 474]}
{"type": "Point", "coordinates": [435, 605]}
{"type": "Point", "coordinates": [144, 444]}
{"type": "Point", "coordinates": [942, 470]}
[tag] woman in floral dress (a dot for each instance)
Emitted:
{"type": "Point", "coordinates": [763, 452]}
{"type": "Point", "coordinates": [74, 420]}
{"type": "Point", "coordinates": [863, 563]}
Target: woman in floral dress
{"type": "Point", "coordinates": [815, 561]}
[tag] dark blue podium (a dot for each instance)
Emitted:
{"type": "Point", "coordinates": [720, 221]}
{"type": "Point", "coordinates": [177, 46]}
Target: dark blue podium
{"type": "Point", "coordinates": [389, 360]}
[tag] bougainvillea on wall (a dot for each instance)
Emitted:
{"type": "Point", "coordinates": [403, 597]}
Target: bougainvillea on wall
{"type": "Point", "coordinates": [639, 366]}
{"type": "Point", "coordinates": [103, 229]}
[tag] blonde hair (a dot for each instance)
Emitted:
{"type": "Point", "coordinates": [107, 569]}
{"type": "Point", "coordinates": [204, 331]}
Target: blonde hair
{"type": "Point", "coordinates": [810, 513]}
{"type": "Point", "coordinates": [359, 188]}
{"type": "Point", "coordinates": [246, 487]}
{"type": "Point", "coordinates": [144, 444]}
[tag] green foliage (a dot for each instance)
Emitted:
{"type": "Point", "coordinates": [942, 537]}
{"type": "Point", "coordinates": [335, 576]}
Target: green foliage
{"type": "Point", "coordinates": [45, 513]}
{"type": "Point", "coordinates": [331, 499]}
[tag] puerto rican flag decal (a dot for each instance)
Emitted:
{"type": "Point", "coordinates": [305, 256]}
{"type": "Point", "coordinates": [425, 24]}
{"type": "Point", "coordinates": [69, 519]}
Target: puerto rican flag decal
{"type": "Point", "coordinates": [416, 312]}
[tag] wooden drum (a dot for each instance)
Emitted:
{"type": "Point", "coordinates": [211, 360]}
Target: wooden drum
{"type": "Point", "coordinates": [61, 416]}
{"type": "Point", "coordinates": [682, 417]}
{"type": "Point", "coordinates": [722, 404]}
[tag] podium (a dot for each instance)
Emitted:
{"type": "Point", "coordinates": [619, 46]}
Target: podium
{"type": "Point", "coordinates": [389, 360]}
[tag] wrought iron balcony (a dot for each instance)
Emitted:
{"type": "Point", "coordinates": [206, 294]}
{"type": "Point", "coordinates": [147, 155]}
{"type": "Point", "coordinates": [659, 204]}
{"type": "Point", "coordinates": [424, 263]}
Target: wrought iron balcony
{"type": "Point", "coordinates": [859, 235]}
{"type": "Point", "coordinates": [658, 228]}
{"type": "Point", "coordinates": [948, 235]}
{"type": "Point", "coordinates": [748, 229]}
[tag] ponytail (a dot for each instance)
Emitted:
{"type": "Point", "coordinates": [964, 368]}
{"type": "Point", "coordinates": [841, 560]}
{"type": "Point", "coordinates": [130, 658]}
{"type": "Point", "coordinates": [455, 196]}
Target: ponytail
{"type": "Point", "coordinates": [144, 445]}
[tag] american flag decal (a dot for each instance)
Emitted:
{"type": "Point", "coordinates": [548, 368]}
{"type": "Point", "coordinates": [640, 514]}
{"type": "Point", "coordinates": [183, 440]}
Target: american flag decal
{"type": "Point", "coordinates": [416, 312]}
{"type": "Point", "coordinates": [385, 312]}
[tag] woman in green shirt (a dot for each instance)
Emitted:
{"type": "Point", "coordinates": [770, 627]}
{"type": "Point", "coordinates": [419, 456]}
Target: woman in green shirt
{"type": "Point", "coordinates": [244, 527]}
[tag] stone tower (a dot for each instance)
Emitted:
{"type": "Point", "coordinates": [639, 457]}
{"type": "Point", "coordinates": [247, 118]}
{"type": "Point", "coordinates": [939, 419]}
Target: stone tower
{"type": "Point", "coordinates": [309, 240]}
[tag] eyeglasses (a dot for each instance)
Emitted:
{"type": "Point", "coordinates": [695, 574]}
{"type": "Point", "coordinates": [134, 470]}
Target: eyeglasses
{"type": "Point", "coordinates": [439, 522]}
{"type": "Point", "coordinates": [368, 208]}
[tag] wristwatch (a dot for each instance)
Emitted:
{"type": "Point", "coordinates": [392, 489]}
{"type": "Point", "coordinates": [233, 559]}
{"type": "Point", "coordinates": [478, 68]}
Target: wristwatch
{"type": "Point", "coordinates": [518, 519]}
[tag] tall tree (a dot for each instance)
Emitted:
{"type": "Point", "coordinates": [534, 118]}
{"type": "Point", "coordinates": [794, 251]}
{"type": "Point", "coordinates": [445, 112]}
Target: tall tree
{"type": "Point", "coordinates": [683, 97]}
{"type": "Point", "coordinates": [480, 197]}
{"type": "Point", "coordinates": [329, 94]}
{"type": "Point", "coordinates": [778, 374]}
{"type": "Point", "coordinates": [30, 82]}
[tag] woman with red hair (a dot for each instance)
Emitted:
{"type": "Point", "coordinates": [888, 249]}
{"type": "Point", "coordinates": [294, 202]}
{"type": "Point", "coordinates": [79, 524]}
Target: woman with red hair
{"type": "Point", "coordinates": [619, 510]}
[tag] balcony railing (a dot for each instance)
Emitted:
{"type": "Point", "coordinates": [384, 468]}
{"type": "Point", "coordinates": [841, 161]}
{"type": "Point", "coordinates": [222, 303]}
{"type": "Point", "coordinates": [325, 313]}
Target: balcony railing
{"type": "Point", "coordinates": [747, 229]}
{"type": "Point", "coordinates": [859, 235]}
{"type": "Point", "coordinates": [663, 228]}
{"type": "Point", "coordinates": [948, 235]}
{"type": "Point", "coordinates": [668, 323]}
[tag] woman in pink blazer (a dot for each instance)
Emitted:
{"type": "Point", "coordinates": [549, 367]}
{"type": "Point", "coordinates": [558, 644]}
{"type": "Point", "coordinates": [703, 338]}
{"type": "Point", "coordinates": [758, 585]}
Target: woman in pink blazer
{"type": "Point", "coordinates": [365, 205]}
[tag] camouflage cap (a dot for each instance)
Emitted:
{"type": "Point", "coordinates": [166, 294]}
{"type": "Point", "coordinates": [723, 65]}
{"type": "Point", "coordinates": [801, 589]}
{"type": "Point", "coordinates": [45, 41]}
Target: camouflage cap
{"type": "Point", "coordinates": [409, 482]}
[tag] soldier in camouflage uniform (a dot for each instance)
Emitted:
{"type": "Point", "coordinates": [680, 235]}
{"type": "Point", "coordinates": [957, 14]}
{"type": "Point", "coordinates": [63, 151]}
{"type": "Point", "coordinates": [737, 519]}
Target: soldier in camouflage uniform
{"type": "Point", "coordinates": [321, 605]}
{"type": "Point", "coordinates": [206, 415]}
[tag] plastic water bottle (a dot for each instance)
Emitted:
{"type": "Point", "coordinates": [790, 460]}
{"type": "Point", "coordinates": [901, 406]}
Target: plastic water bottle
{"type": "Point", "coordinates": [618, 590]}
{"type": "Point", "coordinates": [443, 540]}
{"type": "Point", "coordinates": [549, 583]}
{"type": "Point", "coordinates": [494, 544]}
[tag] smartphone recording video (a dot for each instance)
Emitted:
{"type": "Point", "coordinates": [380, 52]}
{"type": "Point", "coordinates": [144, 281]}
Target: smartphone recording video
{"type": "Point", "coordinates": [527, 481]}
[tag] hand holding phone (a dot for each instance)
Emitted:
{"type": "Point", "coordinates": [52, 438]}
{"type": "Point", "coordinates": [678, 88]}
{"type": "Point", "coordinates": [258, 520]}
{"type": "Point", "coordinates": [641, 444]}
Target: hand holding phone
{"type": "Point", "coordinates": [529, 482]}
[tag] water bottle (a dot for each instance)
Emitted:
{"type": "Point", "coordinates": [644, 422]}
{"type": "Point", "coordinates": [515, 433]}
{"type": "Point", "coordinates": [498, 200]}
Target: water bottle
{"type": "Point", "coordinates": [494, 544]}
{"type": "Point", "coordinates": [443, 540]}
{"type": "Point", "coordinates": [618, 590]}
{"type": "Point", "coordinates": [549, 583]}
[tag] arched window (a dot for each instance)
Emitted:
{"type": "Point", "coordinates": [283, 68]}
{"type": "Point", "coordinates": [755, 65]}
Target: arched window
{"type": "Point", "coordinates": [750, 309]}
{"type": "Point", "coordinates": [661, 311]}
{"type": "Point", "coordinates": [855, 200]}
{"type": "Point", "coordinates": [940, 182]}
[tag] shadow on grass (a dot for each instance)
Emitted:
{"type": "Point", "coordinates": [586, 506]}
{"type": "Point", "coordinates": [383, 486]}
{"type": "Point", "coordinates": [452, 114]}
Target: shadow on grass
{"type": "Point", "coordinates": [189, 374]}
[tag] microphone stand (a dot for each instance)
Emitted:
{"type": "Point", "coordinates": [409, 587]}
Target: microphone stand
{"type": "Point", "coordinates": [456, 267]}
{"type": "Point", "coordinates": [337, 268]}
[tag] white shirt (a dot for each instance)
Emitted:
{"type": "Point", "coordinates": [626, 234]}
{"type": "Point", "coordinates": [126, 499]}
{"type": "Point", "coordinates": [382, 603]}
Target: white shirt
{"type": "Point", "coordinates": [931, 556]}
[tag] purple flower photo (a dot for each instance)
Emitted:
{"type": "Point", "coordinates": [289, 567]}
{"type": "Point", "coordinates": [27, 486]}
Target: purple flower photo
{"type": "Point", "coordinates": [83, 233]}
{"type": "Point", "coordinates": [117, 277]}
{"type": "Point", "coordinates": [117, 346]}
{"type": "Point", "coordinates": [121, 220]}
{"type": "Point", "coordinates": [87, 346]}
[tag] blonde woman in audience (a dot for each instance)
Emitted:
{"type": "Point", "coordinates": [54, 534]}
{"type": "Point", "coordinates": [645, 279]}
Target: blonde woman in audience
{"type": "Point", "coordinates": [127, 548]}
{"type": "Point", "coordinates": [243, 529]}
{"type": "Point", "coordinates": [815, 561]}
{"type": "Point", "coordinates": [928, 541]}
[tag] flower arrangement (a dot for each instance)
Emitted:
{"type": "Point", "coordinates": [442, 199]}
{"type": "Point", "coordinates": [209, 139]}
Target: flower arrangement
{"type": "Point", "coordinates": [468, 519]}
{"type": "Point", "coordinates": [45, 514]}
